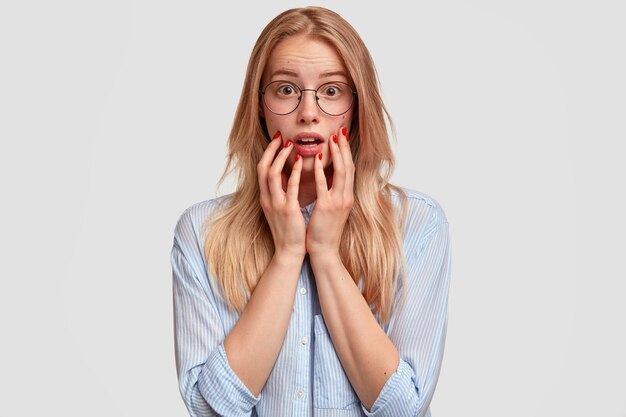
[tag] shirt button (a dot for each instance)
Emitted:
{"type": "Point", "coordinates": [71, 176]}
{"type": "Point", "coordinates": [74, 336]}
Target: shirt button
{"type": "Point", "coordinates": [303, 340]}
{"type": "Point", "coordinates": [300, 394]}
{"type": "Point", "coordinates": [302, 290]}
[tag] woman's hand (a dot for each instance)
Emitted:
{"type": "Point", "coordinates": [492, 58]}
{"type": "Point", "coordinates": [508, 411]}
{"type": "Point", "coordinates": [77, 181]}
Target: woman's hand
{"type": "Point", "coordinates": [281, 208]}
{"type": "Point", "coordinates": [332, 206]}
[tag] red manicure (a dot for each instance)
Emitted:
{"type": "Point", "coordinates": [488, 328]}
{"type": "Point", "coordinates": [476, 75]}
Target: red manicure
{"type": "Point", "coordinates": [344, 132]}
{"type": "Point", "coordinates": [334, 138]}
{"type": "Point", "coordinates": [287, 144]}
{"type": "Point", "coordinates": [277, 134]}
{"type": "Point", "coordinates": [319, 155]}
{"type": "Point", "coordinates": [297, 156]}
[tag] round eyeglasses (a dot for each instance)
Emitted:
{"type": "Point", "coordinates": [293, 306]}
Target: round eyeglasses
{"type": "Point", "coordinates": [283, 97]}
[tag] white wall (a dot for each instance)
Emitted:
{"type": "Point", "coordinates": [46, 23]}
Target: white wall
{"type": "Point", "coordinates": [113, 120]}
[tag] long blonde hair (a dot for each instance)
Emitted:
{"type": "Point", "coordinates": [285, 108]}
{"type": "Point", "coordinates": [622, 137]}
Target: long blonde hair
{"type": "Point", "coordinates": [238, 240]}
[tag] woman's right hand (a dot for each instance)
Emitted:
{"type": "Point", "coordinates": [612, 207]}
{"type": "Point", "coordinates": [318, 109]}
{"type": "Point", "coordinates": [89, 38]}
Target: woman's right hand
{"type": "Point", "coordinates": [281, 208]}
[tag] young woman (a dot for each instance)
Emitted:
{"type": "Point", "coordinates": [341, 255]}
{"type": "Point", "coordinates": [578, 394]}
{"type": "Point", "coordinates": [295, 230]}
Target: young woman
{"type": "Point", "coordinates": [317, 287]}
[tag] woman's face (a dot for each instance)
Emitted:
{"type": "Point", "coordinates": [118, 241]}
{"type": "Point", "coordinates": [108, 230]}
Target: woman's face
{"type": "Point", "coordinates": [307, 63]}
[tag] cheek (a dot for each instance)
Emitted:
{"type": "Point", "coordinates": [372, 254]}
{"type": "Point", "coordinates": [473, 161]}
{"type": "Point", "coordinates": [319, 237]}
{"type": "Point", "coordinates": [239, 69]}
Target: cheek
{"type": "Point", "coordinates": [273, 124]}
{"type": "Point", "coordinates": [346, 120]}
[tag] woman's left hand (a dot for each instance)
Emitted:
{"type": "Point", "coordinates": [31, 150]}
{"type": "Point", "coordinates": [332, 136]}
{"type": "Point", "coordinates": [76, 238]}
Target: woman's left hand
{"type": "Point", "coordinates": [333, 205]}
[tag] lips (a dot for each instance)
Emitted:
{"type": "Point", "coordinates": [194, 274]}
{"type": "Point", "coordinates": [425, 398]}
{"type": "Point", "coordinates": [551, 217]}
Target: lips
{"type": "Point", "coordinates": [308, 143]}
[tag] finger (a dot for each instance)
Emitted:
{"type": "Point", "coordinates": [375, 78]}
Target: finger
{"type": "Point", "coordinates": [269, 154]}
{"type": "Point", "coordinates": [339, 171]}
{"type": "Point", "coordinates": [344, 147]}
{"type": "Point", "coordinates": [321, 186]}
{"type": "Point", "coordinates": [274, 174]}
{"type": "Point", "coordinates": [270, 151]}
{"type": "Point", "coordinates": [293, 186]}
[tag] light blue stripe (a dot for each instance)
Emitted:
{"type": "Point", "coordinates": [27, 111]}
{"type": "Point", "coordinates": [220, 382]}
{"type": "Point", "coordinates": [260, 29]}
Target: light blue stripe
{"type": "Point", "coordinates": [208, 385]}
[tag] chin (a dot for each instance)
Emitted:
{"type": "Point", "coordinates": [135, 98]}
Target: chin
{"type": "Point", "coordinates": [308, 164]}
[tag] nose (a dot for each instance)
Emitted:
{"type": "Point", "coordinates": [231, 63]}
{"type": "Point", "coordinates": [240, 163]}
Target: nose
{"type": "Point", "coordinates": [308, 111]}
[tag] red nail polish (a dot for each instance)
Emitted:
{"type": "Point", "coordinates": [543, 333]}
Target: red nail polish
{"type": "Point", "coordinates": [287, 144]}
{"type": "Point", "coordinates": [277, 134]}
{"type": "Point", "coordinates": [297, 156]}
{"type": "Point", "coordinates": [319, 155]}
{"type": "Point", "coordinates": [344, 132]}
{"type": "Point", "coordinates": [334, 138]}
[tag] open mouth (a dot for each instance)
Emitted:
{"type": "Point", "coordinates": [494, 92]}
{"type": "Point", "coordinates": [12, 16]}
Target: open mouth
{"type": "Point", "coordinates": [308, 142]}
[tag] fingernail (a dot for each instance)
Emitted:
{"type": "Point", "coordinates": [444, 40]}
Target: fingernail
{"type": "Point", "coordinates": [287, 144]}
{"type": "Point", "coordinates": [344, 132]}
{"type": "Point", "coordinates": [334, 138]}
{"type": "Point", "coordinates": [319, 155]}
{"type": "Point", "coordinates": [276, 135]}
{"type": "Point", "coordinates": [297, 156]}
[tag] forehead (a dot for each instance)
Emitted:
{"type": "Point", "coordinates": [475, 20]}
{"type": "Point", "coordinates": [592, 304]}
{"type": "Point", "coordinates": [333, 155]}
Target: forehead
{"type": "Point", "coordinates": [306, 58]}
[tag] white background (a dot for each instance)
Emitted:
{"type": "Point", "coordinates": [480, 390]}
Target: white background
{"type": "Point", "coordinates": [113, 120]}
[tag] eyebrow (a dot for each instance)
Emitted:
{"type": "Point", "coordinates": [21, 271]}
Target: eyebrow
{"type": "Point", "coordinates": [333, 73]}
{"type": "Point", "coordinates": [322, 75]}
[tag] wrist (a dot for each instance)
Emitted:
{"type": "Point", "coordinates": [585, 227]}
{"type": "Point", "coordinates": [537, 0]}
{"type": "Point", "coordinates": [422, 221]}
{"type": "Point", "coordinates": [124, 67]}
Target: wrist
{"type": "Point", "coordinates": [289, 257]}
{"type": "Point", "coordinates": [324, 256]}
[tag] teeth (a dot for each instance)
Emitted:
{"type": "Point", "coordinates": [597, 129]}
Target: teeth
{"type": "Point", "coordinates": [304, 140]}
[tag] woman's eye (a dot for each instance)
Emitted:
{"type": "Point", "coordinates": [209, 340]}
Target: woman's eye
{"type": "Point", "coordinates": [286, 90]}
{"type": "Point", "coordinates": [330, 91]}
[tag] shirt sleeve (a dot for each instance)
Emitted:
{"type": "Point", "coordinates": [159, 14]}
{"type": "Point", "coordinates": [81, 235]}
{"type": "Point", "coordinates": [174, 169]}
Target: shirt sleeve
{"type": "Point", "coordinates": [207, 383]}
{"type": "Point", "coordinates": [418, 326]}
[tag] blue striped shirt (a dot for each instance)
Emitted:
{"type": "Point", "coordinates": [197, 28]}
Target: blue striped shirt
{"type": "Point", "coordinates": [307, 378]}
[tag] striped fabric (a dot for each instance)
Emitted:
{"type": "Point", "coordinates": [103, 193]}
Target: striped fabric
{"type": "Point", "coordinates": [308, 379]}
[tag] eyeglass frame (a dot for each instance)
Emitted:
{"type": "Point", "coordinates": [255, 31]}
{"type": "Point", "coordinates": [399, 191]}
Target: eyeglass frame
{"type": "Point", "coordinates": [317, 99]}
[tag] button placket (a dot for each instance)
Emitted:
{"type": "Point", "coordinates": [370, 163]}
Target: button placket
{"type": "Point", "coordinates": [302, 321]}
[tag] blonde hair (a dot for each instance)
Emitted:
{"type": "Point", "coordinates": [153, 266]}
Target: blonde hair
{"type": "Point", "coordinates": [239, 244]}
